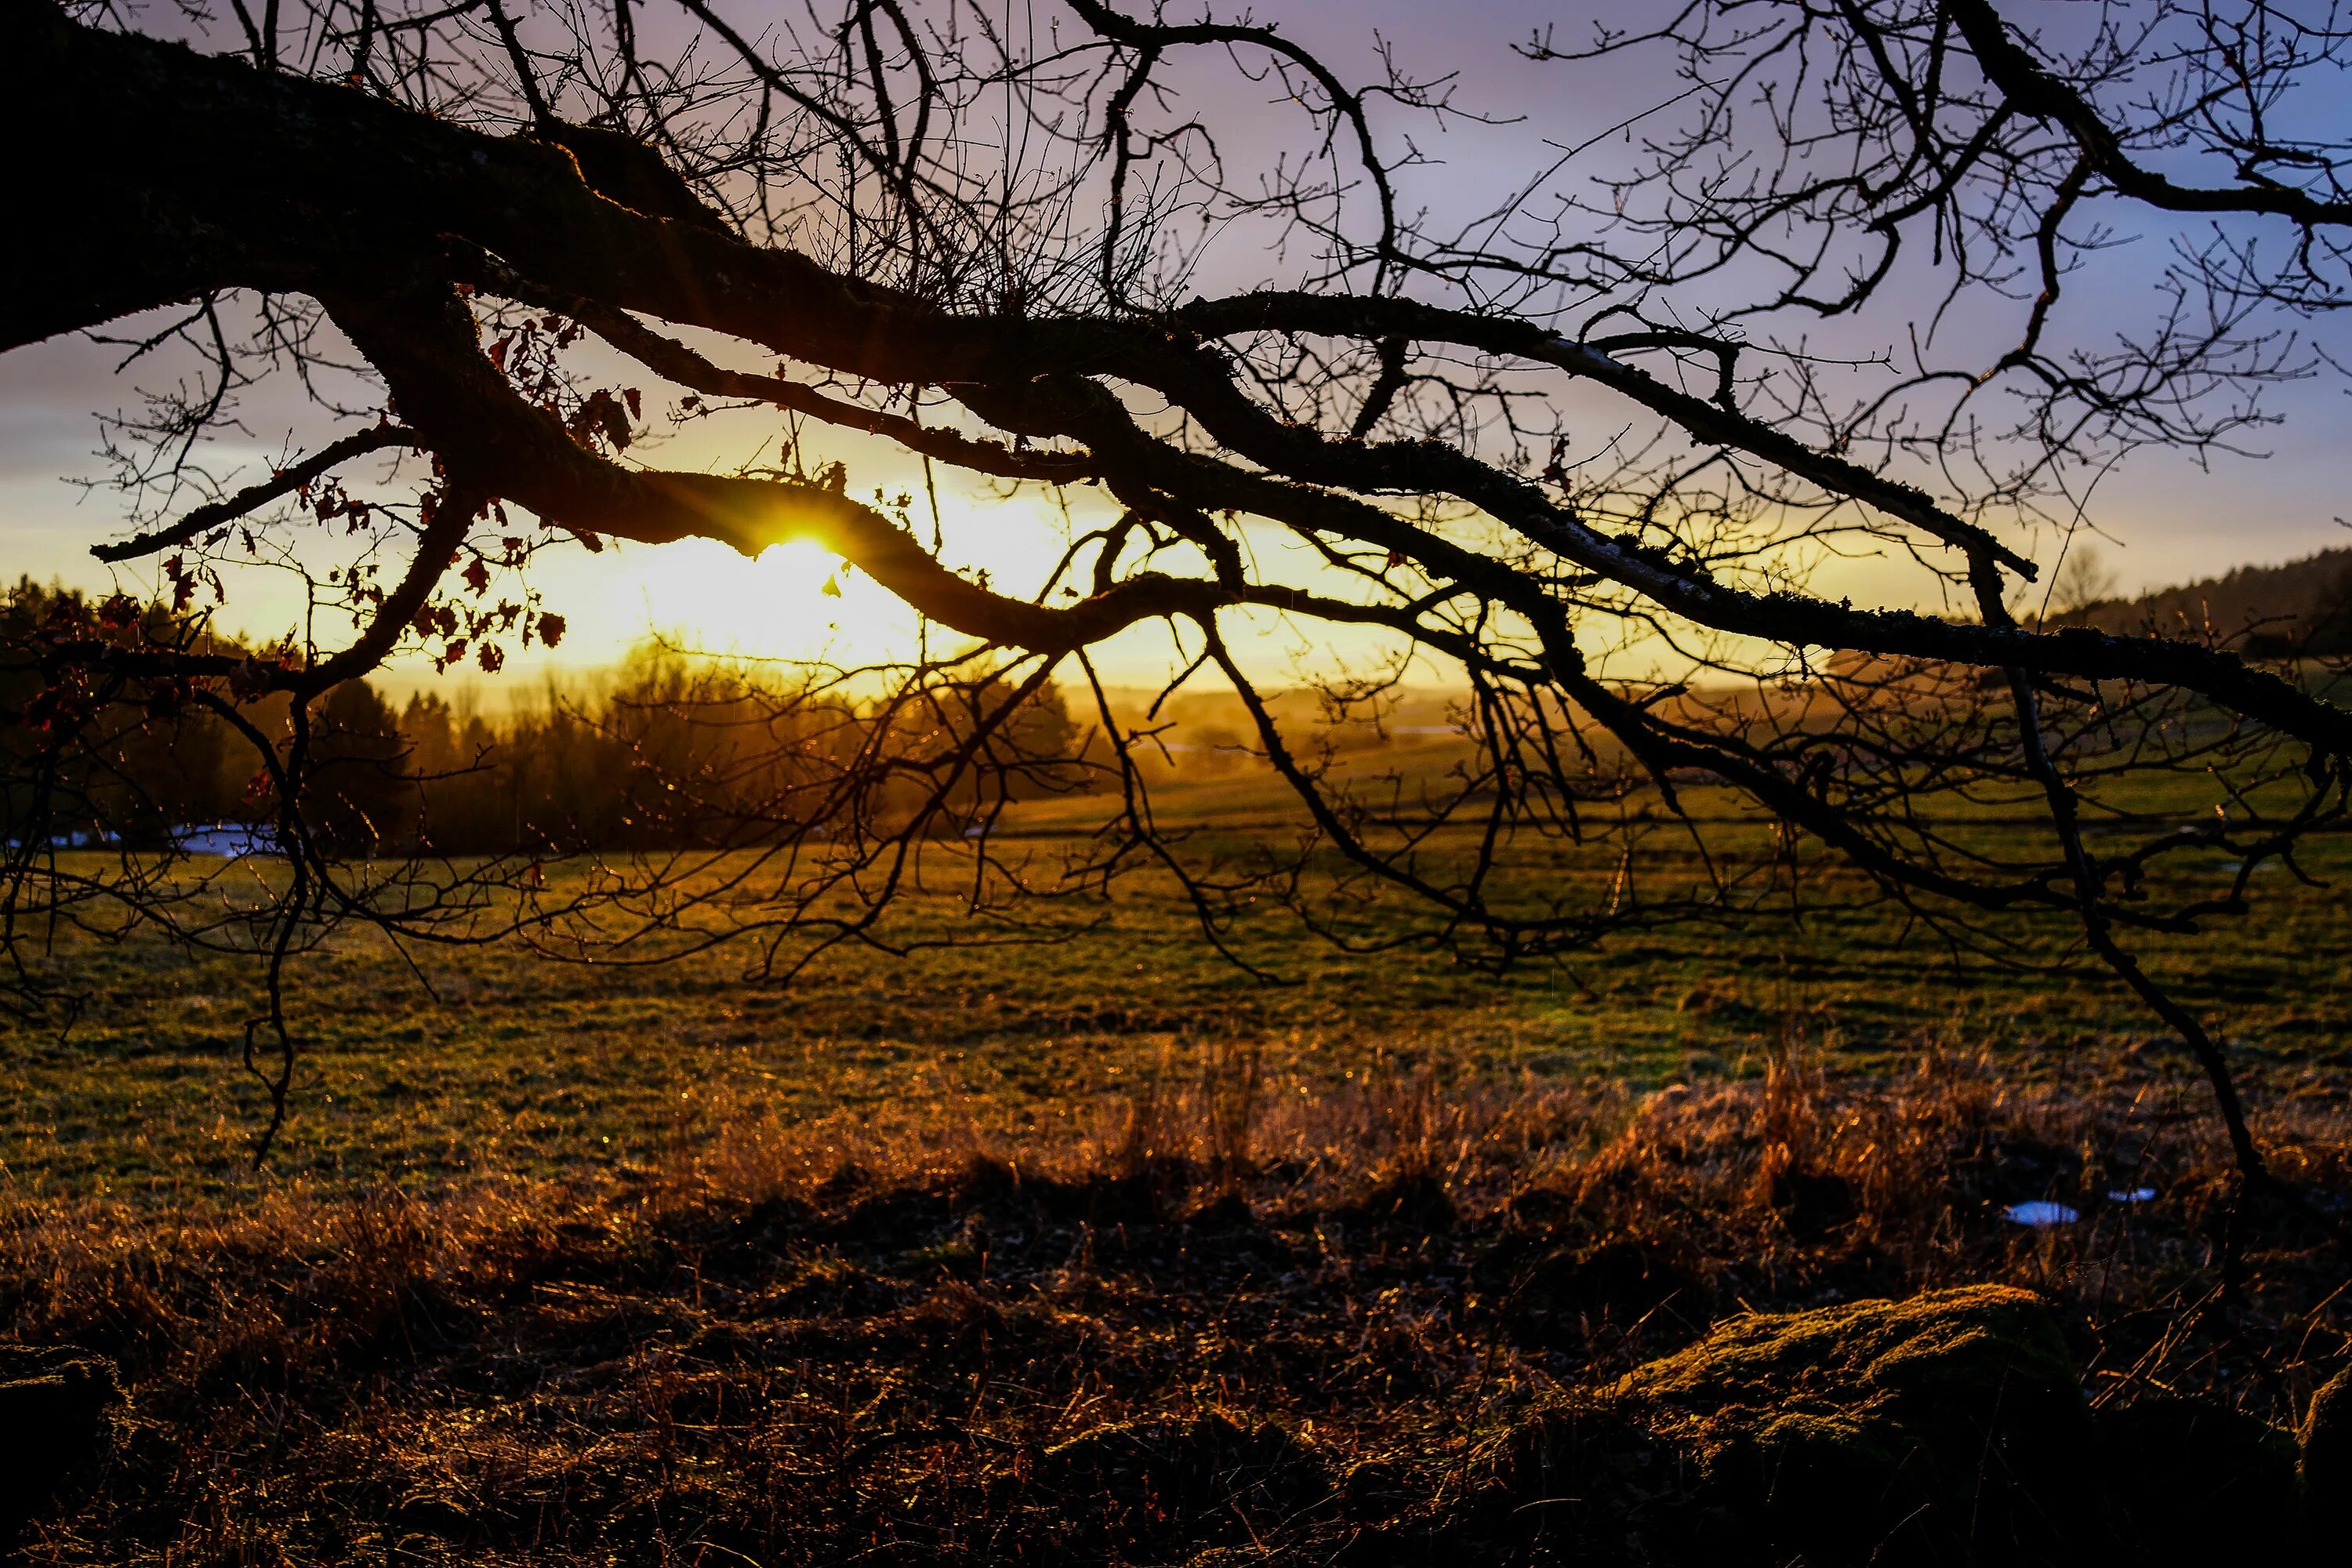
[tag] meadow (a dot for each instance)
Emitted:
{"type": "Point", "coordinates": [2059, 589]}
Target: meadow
{"type": "Point", "coordinates": [477, 1062]}
{"type": "Point", "coordinates": [1097, 1249]}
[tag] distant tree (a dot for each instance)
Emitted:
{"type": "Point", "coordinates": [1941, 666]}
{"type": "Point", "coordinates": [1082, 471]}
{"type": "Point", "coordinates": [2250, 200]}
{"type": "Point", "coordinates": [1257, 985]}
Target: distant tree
{"type": "Point", "coordinates": [430, 729]}
{"type": "Point", "coordinates": [356, 789]}
{"type": "Point", "coordinates": [138, 770]}
{"type": "Point", "coordinates": [2084, 581]}
{"type": "Point", "coordinates": [2329, 634]}
{"type": "Point", "coordinates": [1583, 450]}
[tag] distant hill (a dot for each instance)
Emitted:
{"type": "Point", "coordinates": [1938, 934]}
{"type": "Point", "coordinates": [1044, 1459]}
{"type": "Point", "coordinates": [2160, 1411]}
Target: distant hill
{"type": "Point", "coordinates": [2303, 607]}
{"type": "Point", "coordinates": [1205, 742]}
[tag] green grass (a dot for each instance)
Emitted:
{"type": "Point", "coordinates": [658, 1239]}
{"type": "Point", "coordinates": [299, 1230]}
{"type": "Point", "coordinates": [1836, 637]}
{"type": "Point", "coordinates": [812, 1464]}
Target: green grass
{"type": "Point", "coordinates": [511, 1064]}
{"type": "Point", "coordinates": [562, 1263]}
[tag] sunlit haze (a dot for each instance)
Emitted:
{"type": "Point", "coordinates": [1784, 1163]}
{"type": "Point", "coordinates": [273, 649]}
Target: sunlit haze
{"type": "Point", "coordinates": [2161, 517]}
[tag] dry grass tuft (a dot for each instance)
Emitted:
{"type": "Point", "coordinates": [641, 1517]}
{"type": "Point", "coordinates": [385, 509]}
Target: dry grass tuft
{"type": "Point", "coordinates": [1231, 1314]}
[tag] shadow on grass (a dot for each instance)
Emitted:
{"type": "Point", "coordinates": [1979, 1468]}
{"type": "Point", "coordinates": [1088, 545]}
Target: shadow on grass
{"type": "Point", "coordinates": [1393, 1322]}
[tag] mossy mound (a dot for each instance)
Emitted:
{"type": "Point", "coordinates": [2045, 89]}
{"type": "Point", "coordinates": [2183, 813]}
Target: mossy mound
{"type": "Point", "coordinates": [1949, 1426]}
{"type": "Point", "coordinates": [1969, 1344]}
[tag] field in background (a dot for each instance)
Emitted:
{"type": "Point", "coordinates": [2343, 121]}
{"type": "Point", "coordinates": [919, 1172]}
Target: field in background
{"type": "Point", "coordinates": [1099, 1250]}
{"type": "Point", "coordinates": [488, 1062]}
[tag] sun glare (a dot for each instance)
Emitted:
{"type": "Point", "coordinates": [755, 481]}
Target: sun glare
{"type": "Point", "coordinates": [798, 602]}
{"type": "Point", "coordinates": [795, 601]}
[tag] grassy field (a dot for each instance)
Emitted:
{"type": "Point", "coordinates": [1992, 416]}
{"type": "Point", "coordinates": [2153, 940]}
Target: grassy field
{"type": "Point", "coordinates": [472, 1062]}
{"type": "Point", "coordinates": [1098, 1250]}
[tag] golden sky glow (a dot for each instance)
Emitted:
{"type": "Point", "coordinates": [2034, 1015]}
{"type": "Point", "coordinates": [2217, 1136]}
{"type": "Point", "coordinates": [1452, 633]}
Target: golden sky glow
{"type": "Point", "coordinates": [706, 596]}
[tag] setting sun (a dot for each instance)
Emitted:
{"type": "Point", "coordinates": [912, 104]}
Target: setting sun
{"type": "Point", "coordinates": [793, 601]}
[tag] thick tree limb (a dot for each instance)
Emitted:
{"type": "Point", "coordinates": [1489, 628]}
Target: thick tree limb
{"type": "Point", "coordinates": [379, 181]}
{"type": "Point", "coordinates": [423, 342]}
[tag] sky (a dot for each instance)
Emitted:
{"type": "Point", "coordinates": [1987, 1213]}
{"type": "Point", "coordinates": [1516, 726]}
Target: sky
{"type": "Point", "coordinates": [2165, 520]}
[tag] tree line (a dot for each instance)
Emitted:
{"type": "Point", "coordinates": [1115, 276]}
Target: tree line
{"type": "Point", "coordinates": [671, 751]}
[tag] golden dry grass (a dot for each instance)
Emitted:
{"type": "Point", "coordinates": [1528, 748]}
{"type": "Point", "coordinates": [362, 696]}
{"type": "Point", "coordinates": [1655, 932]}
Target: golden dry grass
{"type": "Point", "coordinates": [1233, 1314]}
